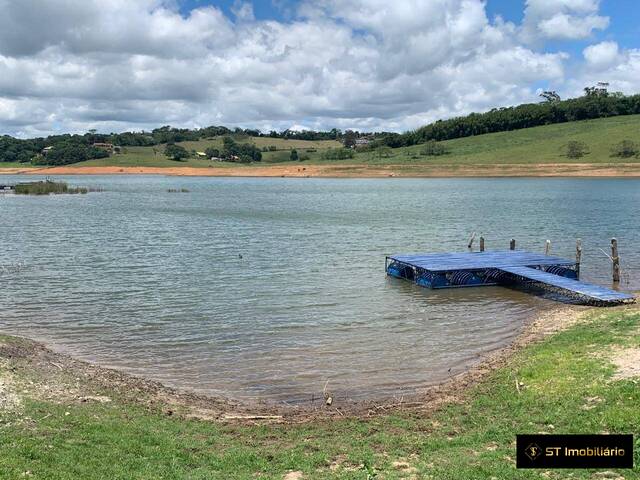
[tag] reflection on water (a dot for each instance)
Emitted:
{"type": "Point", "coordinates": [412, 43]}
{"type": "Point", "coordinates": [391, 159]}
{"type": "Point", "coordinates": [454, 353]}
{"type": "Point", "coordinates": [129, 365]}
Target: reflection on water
{"type": "Point", "coordinates": [267, 288]}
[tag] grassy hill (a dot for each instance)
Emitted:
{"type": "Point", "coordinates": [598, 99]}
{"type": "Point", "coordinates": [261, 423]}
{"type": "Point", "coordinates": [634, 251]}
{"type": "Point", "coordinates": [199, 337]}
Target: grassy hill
{"type": "Point", "coordinates": [537, 145]}
{"type": "Point", "coordinates": [531, 145]}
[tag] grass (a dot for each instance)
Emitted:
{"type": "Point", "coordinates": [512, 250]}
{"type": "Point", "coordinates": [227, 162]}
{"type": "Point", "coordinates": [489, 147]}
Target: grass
{"type": "Point", "coordinates": [567, 387]}
{"type": "Point", "coordinates": [15, 165]}
{"type": "Point", "coordinates": [46, 188]}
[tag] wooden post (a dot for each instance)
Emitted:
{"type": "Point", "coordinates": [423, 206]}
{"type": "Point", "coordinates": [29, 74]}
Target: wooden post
{"type": "Point", "coordinates": [512, 244]}
{"type": "Point", "coordinates": [616, 260]}
{"type": "Point", "coordinates": [473, 237]}
{"type": "Point", "coordinates": [578, 256]}
{"type": "Point", "coordinates": [547, 247]}
{"type": "Point", "coordinates": [481, 243]}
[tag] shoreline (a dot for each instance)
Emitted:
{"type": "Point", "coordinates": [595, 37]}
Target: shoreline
{"type": "Point", "coordinates": [355, 170]}
{"type": "Point", "coordinates": [55, 366]}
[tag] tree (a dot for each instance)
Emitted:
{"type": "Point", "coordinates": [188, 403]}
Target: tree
{"type": "Point", "coordinates": [350, 139]}
{"type": "Point", "coordinates": [212, 152]}
{"type": "Point", "coordinates": [294, 155]}
{"type": "Point", "coordinates": [575, 149]}
{"type": "Point", "coordinates": [550, 96]}
{"type": "Point", "coordinates": [601, 89]}
{"type": "Point", "coordinates": [176, 152]}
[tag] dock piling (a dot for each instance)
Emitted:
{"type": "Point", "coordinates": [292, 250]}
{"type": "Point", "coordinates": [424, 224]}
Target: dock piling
{"type": "Point", "coordinates": [578, 256]}
{"type": "Point", "coordinates": [547, 247]}
{"type": "Point", "coordinates": [512, 244]}
{"type": "Point", "coordinates": [615, 259]}
{"type": "Point", "coordinates": [481, 243]}
{"type": "Point", "coordinates": [473, 237]}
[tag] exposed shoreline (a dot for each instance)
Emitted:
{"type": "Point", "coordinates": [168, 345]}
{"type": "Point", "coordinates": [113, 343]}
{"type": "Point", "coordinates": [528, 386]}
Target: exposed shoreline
{"type": "Point", "coordinates": [355, 170]}
{"type": "Point", "coordinates": [57, 368]}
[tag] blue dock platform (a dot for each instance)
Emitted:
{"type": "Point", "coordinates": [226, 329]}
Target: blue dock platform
{"type": "Point", "coordinates": [508, 268]}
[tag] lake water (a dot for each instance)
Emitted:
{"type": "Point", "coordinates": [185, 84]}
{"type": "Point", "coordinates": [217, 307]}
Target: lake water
{"type": "Point", "coordinates": [268, 288]}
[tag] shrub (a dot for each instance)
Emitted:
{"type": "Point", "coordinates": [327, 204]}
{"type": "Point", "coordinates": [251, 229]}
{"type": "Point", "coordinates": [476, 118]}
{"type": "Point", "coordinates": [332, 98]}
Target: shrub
{"type": "Point", "coordinates": [433, 149]}
{"type": "Point", "coordinates": [625, 149]}
{"type": "Point", "coordinates": [575, 149]}
{"type": "Point", "coordinates": [293, 156]}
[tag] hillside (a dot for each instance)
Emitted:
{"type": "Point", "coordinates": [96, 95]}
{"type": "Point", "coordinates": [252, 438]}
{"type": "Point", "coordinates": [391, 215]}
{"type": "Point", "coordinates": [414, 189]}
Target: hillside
{"type": "Point", "coordinates": [536, 151]}
{"type": "Point", "coordinates": [537, 145]}
{"type": "Point", "coordinates": [527, 146]}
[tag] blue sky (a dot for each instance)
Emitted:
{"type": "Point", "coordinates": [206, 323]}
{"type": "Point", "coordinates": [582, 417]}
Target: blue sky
{"type": "Point", "coordinates": [318, 64]}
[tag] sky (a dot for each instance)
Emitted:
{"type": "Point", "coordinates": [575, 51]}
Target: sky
{"type": "Point", "coordinates": [370, 65]}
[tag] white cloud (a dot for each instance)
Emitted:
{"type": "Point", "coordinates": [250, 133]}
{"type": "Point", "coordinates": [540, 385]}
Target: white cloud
{"type": "Point", "coordinates": [601, 55]}
{"type": "Point", "coordinates": [80, 64]}
{"type": "Point", "coordinates": [606, 62]}
{"type": "Point", "coordinates": [561, 19]}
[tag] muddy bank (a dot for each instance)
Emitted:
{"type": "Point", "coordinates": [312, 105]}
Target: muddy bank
{"type": "Point", "coordinates": [356, 170]}
{"type": "Point", "coordinates": [42, 373]}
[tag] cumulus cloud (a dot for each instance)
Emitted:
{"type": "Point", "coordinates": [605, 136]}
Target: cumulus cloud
{"type": "Point", "coordinates": [372, 65]}
{"type": "Point", "coordinates": [607, 62]}
{"type": "Point", "coordinates": [601, 55]}
{"type": "Point", "coordinates": [561, 19]}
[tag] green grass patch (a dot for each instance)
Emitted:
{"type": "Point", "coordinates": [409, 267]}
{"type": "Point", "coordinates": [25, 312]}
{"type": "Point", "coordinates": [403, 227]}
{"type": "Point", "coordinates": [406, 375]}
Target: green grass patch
{"type": "Point", "coordinates": [566, 387]}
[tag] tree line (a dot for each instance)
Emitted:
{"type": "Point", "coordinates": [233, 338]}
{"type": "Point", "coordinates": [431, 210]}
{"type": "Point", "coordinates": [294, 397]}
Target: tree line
{"type": "Point", "coordinates": [596, 103]}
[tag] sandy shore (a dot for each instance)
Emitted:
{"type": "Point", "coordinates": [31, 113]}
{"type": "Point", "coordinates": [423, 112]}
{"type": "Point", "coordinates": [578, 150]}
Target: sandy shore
{"type": "Point", "coordinates": [356, 170]}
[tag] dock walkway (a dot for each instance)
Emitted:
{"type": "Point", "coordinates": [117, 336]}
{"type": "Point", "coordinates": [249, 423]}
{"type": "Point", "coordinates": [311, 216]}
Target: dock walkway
{"type": "Point", "coordinates": [510, 267]}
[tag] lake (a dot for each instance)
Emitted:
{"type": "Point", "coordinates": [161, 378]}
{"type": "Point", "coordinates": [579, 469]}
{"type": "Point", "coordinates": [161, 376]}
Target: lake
{"type": "Point", "coordinates": [257, 288]}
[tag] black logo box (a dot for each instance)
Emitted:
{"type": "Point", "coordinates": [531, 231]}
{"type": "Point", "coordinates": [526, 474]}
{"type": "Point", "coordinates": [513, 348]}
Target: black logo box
{"type": "Point", "coordinates": [574, 451]}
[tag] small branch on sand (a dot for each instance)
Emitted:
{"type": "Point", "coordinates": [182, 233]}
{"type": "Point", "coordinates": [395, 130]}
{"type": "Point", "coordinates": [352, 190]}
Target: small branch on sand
{"type": "Point", "coordinates": [252, 417]}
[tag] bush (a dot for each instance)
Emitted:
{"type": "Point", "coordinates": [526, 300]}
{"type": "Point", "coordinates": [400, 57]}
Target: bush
{"type": "Point", "coordinates": [625, 149]}
{"type": "Point", "coordinates": [575, 149]}
{"type": "Point", "coordinates": [294, 155]}
{"type": "Point", "coordinates": [433, 149]}
{"type": "Point", "coordinates": [176, 152]}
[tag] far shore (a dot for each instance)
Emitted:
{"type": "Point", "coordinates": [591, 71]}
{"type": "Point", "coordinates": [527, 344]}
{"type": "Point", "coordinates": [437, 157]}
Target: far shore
{"type": "Point", "coordinates": [354, 170]}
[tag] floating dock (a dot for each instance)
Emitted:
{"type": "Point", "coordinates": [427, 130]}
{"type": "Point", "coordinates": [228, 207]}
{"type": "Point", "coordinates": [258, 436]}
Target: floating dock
{"type": "Point", "coordinates": [508, 268]}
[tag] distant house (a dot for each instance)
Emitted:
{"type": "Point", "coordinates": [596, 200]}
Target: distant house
{"type": "Point", "coordinates": [46, 150]}
{"type": "Point", "coordinates": [201, 154]}
{"type": "Point", "coordinates": [362, 142]}
{"type": "Point", "coordinates": [107, 147]}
